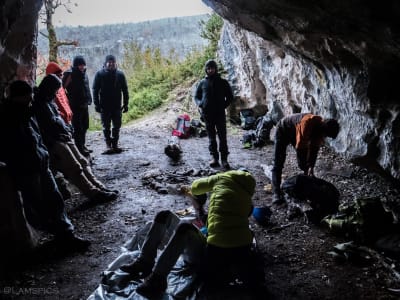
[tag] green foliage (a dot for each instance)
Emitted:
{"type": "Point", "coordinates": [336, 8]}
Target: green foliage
{"type": "Point", "coordinates": [152, 76]}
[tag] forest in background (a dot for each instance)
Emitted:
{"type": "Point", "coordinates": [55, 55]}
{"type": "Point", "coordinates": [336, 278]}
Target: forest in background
{"type": "Point", "coordinates": [182, 34]}
{"type": "Point", "coordinates": [154, 67]}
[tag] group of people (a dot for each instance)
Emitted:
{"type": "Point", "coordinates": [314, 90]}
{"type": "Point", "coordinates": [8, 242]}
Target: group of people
{"type": "Point", "coordinates": [45, 130]}
{"type": "Point", "coordinates": [228, 241]}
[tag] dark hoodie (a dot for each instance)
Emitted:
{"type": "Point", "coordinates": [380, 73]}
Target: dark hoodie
{"type": "Point", "coordinates": [52, 126]}
{"type": "Point", "coordinates": [108, 88]}
{"type": "Point", "coordinates": [76, 84]}
{"type": "Point", "coordinates": [213, 95]}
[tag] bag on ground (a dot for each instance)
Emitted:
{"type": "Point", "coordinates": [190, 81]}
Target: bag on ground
{"type": "Point", "coordinates": [182, 129]}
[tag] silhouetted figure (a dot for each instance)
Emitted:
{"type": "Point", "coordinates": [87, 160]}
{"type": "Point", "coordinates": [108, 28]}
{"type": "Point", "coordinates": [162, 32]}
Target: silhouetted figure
{"type": "Point", "coordinates": [306, 133]}
{"type": "Point", "coordinates": [213, 95]}
{"type": "Point", "coordinates": [111, 98]}
{"type": "Point", "coordinates": [27, 161]}
{"type": "Point", "coordinates": [64, 155]}
{"type": "Point", "coordinates": [76, 84]}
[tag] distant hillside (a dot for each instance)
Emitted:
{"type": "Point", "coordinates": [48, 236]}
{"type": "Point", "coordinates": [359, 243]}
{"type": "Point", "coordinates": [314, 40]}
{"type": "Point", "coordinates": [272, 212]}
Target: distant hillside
{"type": "Point", "coordinates": [95, 42]}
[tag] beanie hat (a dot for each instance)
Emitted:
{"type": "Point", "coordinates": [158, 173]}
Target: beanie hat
{"type": "Point", "coordinates": [53, 68]}
{"type": "Point", "coordinates": [19, 88]}
{"type": "Point", "coordinates": [110, 57]}
{"type": "Point", "coordinates": [78, 60]}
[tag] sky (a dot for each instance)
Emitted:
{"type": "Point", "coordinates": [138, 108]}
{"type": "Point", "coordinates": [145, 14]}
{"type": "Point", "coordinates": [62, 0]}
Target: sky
{"type": "Point", "coordinates": [98, 12]}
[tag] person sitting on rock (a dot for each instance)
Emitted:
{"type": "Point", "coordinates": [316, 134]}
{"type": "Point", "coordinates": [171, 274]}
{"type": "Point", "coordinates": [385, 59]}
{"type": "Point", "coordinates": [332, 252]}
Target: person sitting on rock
{"type": "Point", "coordinates": [228, 241]}
{"type": "Point", "coordinates": [64, 155]}
{"type": "Point", "coordinates": [27, 162]}
{"type": "Point", "coordinates": [306, 133]}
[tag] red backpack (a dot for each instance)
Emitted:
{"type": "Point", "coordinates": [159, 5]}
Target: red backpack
{"type": "Point", "coordinates": [182, 129]}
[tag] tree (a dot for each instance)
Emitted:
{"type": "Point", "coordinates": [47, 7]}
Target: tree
{"type": "Point", "coordinates": [50, 7]}
{"type": "Point", "coordinates": [211, 31]}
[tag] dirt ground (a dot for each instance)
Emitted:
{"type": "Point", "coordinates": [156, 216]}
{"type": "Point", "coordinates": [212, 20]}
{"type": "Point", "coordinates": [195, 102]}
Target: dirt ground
{"type": "Point", "coordinates": [294, 251]}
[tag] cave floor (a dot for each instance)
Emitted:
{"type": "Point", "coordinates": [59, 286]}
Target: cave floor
{"type": "Point", "coordinates": [294, 251]}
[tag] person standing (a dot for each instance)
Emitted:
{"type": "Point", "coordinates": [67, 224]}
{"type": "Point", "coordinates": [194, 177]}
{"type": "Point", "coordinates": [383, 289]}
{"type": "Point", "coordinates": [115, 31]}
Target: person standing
{"type": "Point", "coordinates": [306, 133]}
{"type": "Point", "coordinates": [111, 98]}
{"type": "Point", "coordinates": [213, 95]}
{"type": "Point", "coordinates": [76, 84]}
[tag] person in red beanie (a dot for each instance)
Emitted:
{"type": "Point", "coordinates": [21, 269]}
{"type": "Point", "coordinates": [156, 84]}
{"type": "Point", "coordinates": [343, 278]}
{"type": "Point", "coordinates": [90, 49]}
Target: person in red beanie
{"type": "Point", "coordinates": [61, 97]}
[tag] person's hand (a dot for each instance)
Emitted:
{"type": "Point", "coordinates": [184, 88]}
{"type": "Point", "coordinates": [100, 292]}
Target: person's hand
{"type": "Point", "coordinates": [124, 108]}
{"type": "Point", "coordinates": [186, 190]}
{"type": "Point", "coordinates": [97, 109]}
{"type": "Point", "coordinates": [65, 138]}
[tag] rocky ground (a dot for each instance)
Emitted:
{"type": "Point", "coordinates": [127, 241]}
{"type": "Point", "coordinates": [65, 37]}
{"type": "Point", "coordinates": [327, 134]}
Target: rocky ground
{"type": "Point", "coordinates": [295, 252]}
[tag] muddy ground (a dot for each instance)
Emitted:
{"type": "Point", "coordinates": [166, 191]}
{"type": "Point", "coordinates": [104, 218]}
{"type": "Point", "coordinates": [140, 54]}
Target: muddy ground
{"type": "Point", "coordinates": [294, 251]}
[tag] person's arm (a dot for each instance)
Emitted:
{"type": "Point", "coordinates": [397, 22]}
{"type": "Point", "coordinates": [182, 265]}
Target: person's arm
{"type": "Point", "coordinates": [204, 185]}
{"type": "Point", "coordinates": [125, 93]}
{"type": "Point", "coordinates": [96, 91]}
{"type": "Point", "coordinates": [228, 94]}
{"type": "Point", "coordinates": [198, 95]}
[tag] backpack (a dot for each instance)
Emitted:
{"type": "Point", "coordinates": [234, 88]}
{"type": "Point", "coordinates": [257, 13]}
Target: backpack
{"type": "Point", "coordinates": [182, 129]}
{"type": "Point", "coordinates": [322, 195]}
{"type": "Point", "coordinates": [264, 125]}
{"type": "Point", "coordinates": [247, 119]}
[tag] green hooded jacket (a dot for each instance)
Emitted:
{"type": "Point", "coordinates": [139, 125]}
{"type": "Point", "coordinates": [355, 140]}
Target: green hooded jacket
{"type": "Point", "coordinates": [229, 207]}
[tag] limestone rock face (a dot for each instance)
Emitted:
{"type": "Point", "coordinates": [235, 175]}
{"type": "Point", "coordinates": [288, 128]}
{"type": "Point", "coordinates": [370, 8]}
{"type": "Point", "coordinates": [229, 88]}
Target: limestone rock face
{"type": "Point", "coordinates": [333, 58]}
{"type": "Point", "coordinates": [18, 32]}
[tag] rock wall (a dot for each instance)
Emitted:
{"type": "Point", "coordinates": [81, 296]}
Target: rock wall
{"type": "Point", "coordinates": [338, 61]}
{"type": "Point", "coordinates": [18, 33]}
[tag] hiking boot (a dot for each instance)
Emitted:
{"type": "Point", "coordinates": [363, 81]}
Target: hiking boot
{"type": "Point", "coordinates": [84, 152]}
{"type": "Point", "coordinates": [103, 196]}
{"type": "Point", "coordinates": [70, 242]}
{"type": "Point", "coordinates": [87, 149]}
{"type": "Point", "coordinates": [104, 189]}
{"type": "Point", "coordinates": [153, 286]}
{"type": "Point", "coordinates": [115, 147]}
{"type": "Point", "coordinates": [278, 199]}
{"type": "Point", "coordinates": [139, 268]}
{"type": "Point", "coordinates": [225, 164]}
{"type": "Point", "coordinates": [214, 162]}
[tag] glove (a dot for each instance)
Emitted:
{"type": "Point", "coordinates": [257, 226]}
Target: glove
{"type": "Point", "coordinates": [124, 108]}
{"type": "Point", "coordinates": [97, 109]}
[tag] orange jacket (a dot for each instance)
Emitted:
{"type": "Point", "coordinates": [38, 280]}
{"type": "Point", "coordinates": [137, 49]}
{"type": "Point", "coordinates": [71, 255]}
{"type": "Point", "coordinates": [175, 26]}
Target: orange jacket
{"type": "Point", "coordinates": [61, 97]}
{"type": "Point", "coordinates": [307, 132]}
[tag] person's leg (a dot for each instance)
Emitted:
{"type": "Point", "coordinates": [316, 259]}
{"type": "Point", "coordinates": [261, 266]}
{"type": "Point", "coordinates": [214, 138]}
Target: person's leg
{"type": "Point", "coordinates": [106, 123]}
{"type": "Point", "coordinates": [186, 239]}
{"type": "Point", "coordinates": [78, 131]}
{"type": "Point", "coordinates": [64, 160]}
{"type": "Point", "coordinates": [212, 143]}
{"type": "Point", "coordinates": [85, 126]}
{"type": "Point", "coordinates": [145, 262]}
{"type": "Point", "coordinates": [223, 143]}
{"type": "Point", "coordinates": [279, 161]}
{"type": "Point", "coordinates": [85, 167]}
{"type": "Point", "coordinates": [116, 126]}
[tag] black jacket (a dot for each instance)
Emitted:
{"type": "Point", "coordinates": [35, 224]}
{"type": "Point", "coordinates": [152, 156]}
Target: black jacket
{"type": "Point", "coordinates": [76, 85]}
{"type": "Point", "coordinates": [52, 126]}
{"type": "Point", "coordinates": [108, 89]}
{"type": "Point", "coordinates": [23, 151]}
{"type": "Point", "coordinates": [213, 95]}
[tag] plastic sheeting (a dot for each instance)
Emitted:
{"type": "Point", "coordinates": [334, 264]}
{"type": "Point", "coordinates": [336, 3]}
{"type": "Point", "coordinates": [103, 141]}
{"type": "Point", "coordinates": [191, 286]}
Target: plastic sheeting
{"type": "Point", "coordinates": [116, 284]}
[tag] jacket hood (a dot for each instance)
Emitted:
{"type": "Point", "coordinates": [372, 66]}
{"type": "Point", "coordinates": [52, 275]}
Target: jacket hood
{"type": "Point", "coordinates": [78, 60]}
{"type": "Point", "coordinates": [244, 179]}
